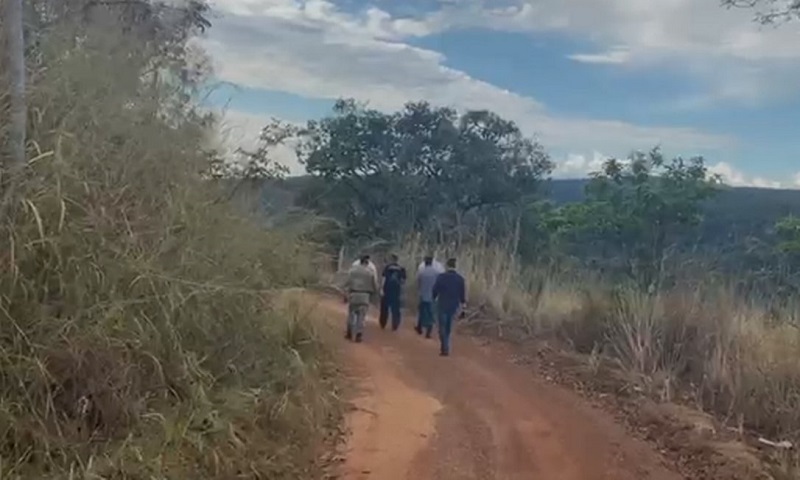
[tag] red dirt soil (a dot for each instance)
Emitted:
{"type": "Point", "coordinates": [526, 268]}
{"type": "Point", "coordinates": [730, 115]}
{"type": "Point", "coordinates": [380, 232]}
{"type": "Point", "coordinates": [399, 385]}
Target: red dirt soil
{"type": "Point", "coordinates": [473, 415]}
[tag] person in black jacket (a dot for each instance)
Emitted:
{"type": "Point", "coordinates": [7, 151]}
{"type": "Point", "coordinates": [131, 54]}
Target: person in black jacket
{"type": "Point", "coordinates": [394, 278]}
{"type": "Point", "coordinates": [450, 292]}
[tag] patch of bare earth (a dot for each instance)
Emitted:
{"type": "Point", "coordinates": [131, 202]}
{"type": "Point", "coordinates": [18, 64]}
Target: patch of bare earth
{"type": "Point", "coordinates": [695, 443]}
{"type": "Point", "coordinates": [474, 415]}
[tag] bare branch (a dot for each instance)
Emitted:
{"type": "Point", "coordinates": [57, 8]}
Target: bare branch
{"type": "Point", "coordinates": [769, 11]}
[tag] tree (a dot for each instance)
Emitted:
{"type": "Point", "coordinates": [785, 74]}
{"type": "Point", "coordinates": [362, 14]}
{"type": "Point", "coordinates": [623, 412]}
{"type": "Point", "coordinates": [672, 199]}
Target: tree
{"type": "Point", "coordinates": [423, 168]}
{"type": "Point", "coordinates": [769, 11]}
{"type": "Point", "coordinates": [259, 163]}
{"type": "Point", "coordinates": [636, 212]}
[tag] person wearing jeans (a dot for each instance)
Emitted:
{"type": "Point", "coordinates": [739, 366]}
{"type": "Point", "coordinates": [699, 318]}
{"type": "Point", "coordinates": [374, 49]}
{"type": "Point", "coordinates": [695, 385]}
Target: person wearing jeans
{"type": "Point", "coordinates": [450, 293]}
{"type": "Point", "coordinates": [426, 279]}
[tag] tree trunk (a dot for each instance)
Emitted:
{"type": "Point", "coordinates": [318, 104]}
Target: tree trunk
{"type": "Point", "coordinates": [15, 45]}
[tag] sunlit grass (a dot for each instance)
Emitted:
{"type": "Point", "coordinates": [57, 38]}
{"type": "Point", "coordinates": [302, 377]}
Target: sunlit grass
{"type": "Point", "coordinates": [140, 334]}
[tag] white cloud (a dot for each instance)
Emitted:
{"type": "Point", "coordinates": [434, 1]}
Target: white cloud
{"type": "Point", "coordinates": [313, 49]}
{"type": "Point", "coordinates": [698, 37]}
{"type": "Point", "coordinates": [736, 178]}
{"type": "Point", "coordinates": [241, 130]}
{"type": "Point", "coordinates": [579, 166]}
{"type": "Point", "coordinates": [614, 56]}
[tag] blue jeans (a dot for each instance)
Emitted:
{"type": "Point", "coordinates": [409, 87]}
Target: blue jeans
{"type": "Point", "coordinates": [445, 328]}
{"type": "Point", "coordinates": [390, 302]}
{"type": "Point", "coordinates": [425, 317]}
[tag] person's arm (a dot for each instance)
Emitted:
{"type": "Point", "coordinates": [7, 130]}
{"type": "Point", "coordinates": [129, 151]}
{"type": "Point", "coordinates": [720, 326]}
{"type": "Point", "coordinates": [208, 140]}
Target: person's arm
{"type": "Point", "coordinates": [403, 275]}
{"type": "Point", "coordinates": [437, 286]}
{"type": "Point", "coordinates": [462, 296]}
{"type": "Point", "coordinates": [384, 274]}
{"type": "Point", "coordinates": [375, 287]}
{"type": "Point", "coordinates": [348, 282]}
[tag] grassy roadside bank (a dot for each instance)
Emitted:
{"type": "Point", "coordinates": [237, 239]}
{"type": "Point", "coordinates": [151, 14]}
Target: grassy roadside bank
{"type": "Point", "coordinates": [701, 347]}
{"type": "Point", "coordinates": [140, 337]}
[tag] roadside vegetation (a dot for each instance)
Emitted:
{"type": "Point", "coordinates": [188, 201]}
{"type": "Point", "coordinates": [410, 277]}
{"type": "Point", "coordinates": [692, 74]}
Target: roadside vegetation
{"type": "Point", "coordinates": [143, 329]}
{"type": "Point", "coordinates": [640, 271]}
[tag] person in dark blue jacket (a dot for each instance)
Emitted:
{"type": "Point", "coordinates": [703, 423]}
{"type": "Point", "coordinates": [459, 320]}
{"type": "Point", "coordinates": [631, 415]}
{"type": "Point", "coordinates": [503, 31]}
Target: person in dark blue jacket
{"type": "Point", "coordinates": [394, 278]}
{"type": "Point", "coordinates": [450, 292]}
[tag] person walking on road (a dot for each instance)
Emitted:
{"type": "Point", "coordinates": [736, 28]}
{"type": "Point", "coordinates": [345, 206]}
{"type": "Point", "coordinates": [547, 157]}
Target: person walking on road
{"type": "Point", "coordinates": [361, 287]}
{"type": "Point", "coordinates": [450, 293]}
{"type": "Point", "coordinates": [394, 277]}
{"type": "Point", "coordinates": [426, 279]}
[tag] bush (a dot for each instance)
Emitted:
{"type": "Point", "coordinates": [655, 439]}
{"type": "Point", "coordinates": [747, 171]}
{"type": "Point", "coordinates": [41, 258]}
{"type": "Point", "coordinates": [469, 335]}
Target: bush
{"type": "Point", "coordinates": [142, 333]}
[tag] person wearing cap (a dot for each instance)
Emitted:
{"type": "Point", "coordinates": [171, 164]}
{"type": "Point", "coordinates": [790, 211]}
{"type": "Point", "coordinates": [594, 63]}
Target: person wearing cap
{"type": "Point", "coordinates": [361, 286]}
{"type": "Point", "coordinates": [450, 294]}
{"type": "Point", "coordinates": [426, 279]}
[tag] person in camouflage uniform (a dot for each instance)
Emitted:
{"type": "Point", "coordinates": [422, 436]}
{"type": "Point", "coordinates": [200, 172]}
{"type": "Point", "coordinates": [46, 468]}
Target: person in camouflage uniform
{"type": "Point", "coordinates": [361, 286]}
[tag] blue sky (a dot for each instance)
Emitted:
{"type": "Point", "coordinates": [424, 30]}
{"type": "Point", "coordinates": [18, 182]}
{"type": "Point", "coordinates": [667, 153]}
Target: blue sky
{"type": "Point", "coordinates": [589, 78]}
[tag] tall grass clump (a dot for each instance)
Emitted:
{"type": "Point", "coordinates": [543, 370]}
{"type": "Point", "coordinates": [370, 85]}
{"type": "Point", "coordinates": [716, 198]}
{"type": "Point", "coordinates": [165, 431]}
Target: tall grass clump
{"type": "Point", "coordinates": [142, 330]}
{"type": "Point", "coordinates": [736, 356]}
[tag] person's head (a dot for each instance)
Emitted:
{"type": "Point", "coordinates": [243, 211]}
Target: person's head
{"type": "Point", "coordinates": [363, 259]}
{"type": "Point", "coordinates": [451, 263]}
{"type": "Point", "coordinates": [428, 260]}
{"type": "Point", "coordinates": [393, 258]}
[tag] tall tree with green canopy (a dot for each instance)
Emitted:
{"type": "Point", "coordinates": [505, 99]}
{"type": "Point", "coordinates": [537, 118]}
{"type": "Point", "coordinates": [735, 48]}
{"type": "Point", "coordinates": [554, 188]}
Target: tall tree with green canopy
{"type": "Point", "coordinates": [423, 168]}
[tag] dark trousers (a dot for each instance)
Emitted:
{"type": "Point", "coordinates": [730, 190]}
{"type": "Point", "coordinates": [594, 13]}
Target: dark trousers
{"type": "Point", "coordinates": [445, 329]}
{"type": "Point", "coordinates": [390, 302]}
{"type": "Point", "coordinates": [425, 317]}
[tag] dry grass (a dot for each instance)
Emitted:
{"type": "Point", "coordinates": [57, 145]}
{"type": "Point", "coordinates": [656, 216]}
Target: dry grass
{"type": "Point", "coordinates": [140, 336]}
{"type": "Point", "coordinates": [737, 358]}
{"type": "Point", "coordinates": [519, 301]}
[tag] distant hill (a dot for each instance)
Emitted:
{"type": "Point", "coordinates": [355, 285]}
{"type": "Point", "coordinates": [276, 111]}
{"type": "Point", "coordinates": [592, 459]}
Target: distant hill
{"type": "Point", "coordinates": [734, 214]}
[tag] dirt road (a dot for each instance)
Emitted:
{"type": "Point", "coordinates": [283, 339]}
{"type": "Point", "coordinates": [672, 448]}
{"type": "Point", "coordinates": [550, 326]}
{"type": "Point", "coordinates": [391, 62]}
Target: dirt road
{"type": "Point", "coordinates": [473, 415]}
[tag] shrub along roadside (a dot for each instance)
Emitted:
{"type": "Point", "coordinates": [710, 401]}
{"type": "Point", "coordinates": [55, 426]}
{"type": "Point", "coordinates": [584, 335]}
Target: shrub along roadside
{"type": "Point", "coordinates": [737, 358]}
{"type": "Point", "coordinates": [141, 336]}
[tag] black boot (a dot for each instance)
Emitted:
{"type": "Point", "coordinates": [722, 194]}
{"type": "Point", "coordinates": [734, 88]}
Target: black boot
{"type": "Point", "coordinates": [359, 338]}
{"type": "Point", "coordinates": [348, 335]}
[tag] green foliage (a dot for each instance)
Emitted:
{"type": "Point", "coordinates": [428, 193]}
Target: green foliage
{"type": "Point", "coordinates": [788, 231]}
{"type": "Point", "coordinates": [420, 169]}
{"type": "Point", "coordinates": [637, 211]}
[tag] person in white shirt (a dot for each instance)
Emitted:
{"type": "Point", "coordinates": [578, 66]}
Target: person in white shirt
{"type": "Point", "coordinates": [426, 279]}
